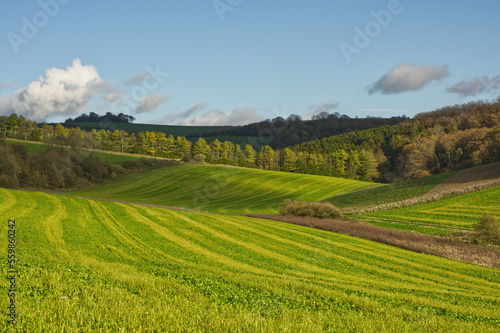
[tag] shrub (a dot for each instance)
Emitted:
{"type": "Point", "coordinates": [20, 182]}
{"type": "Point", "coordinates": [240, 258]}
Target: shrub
{"type": "Point", "coordinates": [322, 210]}
{"type": "Point", "coordinates": [131, 165]}
{"type": "Point", "coordinates": [187, 157]}
{"type": "Point", "coordinates": [199, 158]}
{"type": "Point", "coordinates": [488, 229]}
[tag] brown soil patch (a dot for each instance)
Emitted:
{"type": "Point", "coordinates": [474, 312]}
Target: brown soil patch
{"type": "Point", "coordinates": [479, 177]}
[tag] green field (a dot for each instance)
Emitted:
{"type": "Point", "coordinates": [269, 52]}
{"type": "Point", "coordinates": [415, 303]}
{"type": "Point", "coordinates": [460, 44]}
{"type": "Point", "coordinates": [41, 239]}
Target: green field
{"type": "Point", "coordinates": [175, 130]}
{"type": "Point", "coordinates": [390, 193]}
{"type": "Point", "coordinates": [32, 148]}
{"type": "Point", "coordinates": [86, 266]}
{"type": "Point", "coordinates": [111, 158]}
{"type": "Point", "coordinates": [461, 212]}
{"type": "Point", "coordinates": [222, 189]}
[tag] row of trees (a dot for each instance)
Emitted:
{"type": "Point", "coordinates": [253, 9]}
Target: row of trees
{"type": "Point", "coordinates": [352, 163]}
{"type": "Point", "coordinates": [109, 117]}
{"type": "Point", "coordinates": [446, 139]}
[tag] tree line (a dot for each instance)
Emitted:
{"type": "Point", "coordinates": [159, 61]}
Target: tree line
{"type": "Point", "coordinates": [449, 138]}
{"type": "Point", "coordinates": [109, 117]}
{"type": "Point", "coordinates": [354, 163]}
{"type": "Point", "coordinates": [288, 132]}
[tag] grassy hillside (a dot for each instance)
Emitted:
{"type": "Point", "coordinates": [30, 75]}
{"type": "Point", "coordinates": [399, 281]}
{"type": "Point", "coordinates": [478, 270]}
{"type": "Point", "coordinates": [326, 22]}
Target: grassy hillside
{"type": "Point", "coordinates": [32, 147]}
{"type": "Point", "coordinates": [85, 265]}
{"type": "Point", "coordinates": [461, 211]}
{"type": "Point", "coordinates": [112, 158]}
{"type": "Point", "coordinates": [392, 193]}
{"type": "Point", "coordinates": [223, 189]}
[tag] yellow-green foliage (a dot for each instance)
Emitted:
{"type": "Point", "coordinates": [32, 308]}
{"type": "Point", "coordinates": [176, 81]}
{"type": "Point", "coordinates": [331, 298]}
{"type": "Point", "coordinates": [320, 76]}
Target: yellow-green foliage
{"type": "Point", "coordinates": [91, 266]}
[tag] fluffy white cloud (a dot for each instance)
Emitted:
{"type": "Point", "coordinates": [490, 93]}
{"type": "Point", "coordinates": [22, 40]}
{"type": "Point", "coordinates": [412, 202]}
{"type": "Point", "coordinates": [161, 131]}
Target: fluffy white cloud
{"type": "Point", "coordinates": [240, 116]}
{"type": "Point", "coordinates": [150, 103]}
{"type": "Point", "coordinates": [58, 92]}
{"type": "Point", "coordinates": [406, 77]}
{"type": "Point", "coordinates": [478, 86]}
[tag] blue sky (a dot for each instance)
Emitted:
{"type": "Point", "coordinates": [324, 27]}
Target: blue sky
{"type": "Point", "coordinates": [205, 62]}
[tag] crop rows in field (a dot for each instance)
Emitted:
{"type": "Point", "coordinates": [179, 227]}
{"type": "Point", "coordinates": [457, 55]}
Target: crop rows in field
{"type": "Point", "coordinates": [223, 189]}
{"type": "Point", "coordinates": [387, 194]}
{"type": "Point", "coordinates": [232, 266]}
{"type": "Point", "coordinates": [462, 211]}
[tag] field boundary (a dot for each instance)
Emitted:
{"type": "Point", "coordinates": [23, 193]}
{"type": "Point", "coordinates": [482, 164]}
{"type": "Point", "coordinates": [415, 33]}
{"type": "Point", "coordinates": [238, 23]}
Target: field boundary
{"type": "Point", "coordinates": [416, 242]}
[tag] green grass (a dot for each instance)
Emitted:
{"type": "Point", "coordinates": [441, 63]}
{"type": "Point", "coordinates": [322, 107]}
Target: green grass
{"type": "Point", "coordinates": [428, 230]}
{"type": "Point", "coordinates": [116, 158]}
{"type": "Point", "coordinates": [390, 193]}
{"type": "Point", "coordinates": [88, 266]}
{"type": "Point", "coordinates": [222, 189]}
{"type": "Point", "coordinates": [136, 128]}
{"type": "Point", "coordinates": [32, 148]}
{"type": "Point", "coordinates": [111, 158]}
{"type": "Point", "coordinates": [462, 211]}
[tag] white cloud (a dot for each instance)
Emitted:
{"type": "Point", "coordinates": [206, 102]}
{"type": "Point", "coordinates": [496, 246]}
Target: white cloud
{"type": "Point", "coordinates": [241, 116]}
{"type": "Point", "coordinates": [179, 117]}
{"type": "Point", "coordinates": [138, 79]}
{"type": "Point", "coordinates": [58, 92]}
{"type": "Point", "coordinates": [477, 86]}
{"type": "Point", "coordinates": [150, 103]}
{"type": "Point", "coordinates": [8, 84]}
{"type": "Point", "coordinates": [406, 77]}
{"type": "Point", "coordinates": [317, 109]}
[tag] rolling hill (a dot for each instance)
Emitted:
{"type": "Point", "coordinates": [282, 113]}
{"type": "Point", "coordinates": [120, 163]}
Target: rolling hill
{"type": "Point", "coordinates": [86, 265]}
{"type": "Point", "coordinates": [223, 189]}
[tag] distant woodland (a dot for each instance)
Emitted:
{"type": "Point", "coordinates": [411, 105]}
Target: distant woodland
{"type": "Point", "coordinates": [449, 138]}
{"type": "Point", "coordinates": [292, 131]}
{"type": "Point", "coordinates": [109, 117]}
